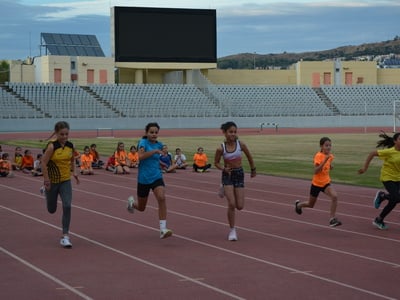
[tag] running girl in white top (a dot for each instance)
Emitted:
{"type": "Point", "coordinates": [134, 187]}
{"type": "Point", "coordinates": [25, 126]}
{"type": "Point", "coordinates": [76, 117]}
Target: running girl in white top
{"type": "Point", "coordinates": [232, 172]}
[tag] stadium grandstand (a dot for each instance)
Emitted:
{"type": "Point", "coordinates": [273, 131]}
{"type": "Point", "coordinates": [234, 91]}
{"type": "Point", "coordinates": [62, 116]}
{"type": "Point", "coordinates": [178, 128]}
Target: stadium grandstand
{"type": "Point", "coordinates": [197, 105]}
{"type": "Point", "coordinates": [180, 86]}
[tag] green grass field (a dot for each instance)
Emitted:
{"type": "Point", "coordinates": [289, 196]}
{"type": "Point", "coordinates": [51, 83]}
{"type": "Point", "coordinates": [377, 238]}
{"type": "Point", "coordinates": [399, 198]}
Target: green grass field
{"type": "Point", "coordinates": [278, 155]}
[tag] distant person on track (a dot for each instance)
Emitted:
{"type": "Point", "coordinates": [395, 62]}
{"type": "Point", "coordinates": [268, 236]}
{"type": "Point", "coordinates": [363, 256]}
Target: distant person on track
{"type": "Point", "coordinates": [232, 172]}
{"type": "Point", "coordinates": [110, 165]}
{"type": "Point", "coordinates": [86, 162]}
{"type": "Point", "coordinates": [6, 169]}
{"type": "Point", "coordinates": [321, 181]}
{"type": "Point", "coordinates": [58, 163]}
{"type": "Point", "coordinates": [180, 159]}
{"type": "Point", "coordinates": [200, 161]}
{"type": "Point", "coordinates": [17, 158]}
{"type": "Point", "coordinates": [133, 157]}
{"type": "Point", "coordinates": [37, 165]}
{"type": "Point", "coordinates": [121, 159]}
{"type": "Point", "coordinates": [27, 162]}
{"type": "Point", "coordinates": [166, 163]}
{"type": "Point", "coordinates": [97, 162]}
{"type": "Point", "coordinates": [150, 177]}
{"type": "Point", "coordinates": [390, 175]}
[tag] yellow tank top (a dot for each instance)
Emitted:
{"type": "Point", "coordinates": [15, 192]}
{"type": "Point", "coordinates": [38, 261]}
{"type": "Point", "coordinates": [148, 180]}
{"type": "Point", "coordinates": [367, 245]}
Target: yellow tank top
{"type": "Point", "coordinates": [59, 166]}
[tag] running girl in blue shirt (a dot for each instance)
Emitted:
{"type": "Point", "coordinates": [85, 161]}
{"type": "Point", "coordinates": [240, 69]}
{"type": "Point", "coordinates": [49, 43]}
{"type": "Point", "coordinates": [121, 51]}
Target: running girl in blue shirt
{"type": "Point", "coordinates": [150, 177]}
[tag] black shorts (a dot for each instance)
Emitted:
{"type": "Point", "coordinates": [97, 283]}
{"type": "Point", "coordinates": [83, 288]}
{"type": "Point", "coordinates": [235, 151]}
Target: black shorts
{"type": "Point", "coordinates": [235, 177]}
{"type": "Point", "coordinates": [315, 190]}
{"type": "Point", "coordinates": [143, 190]}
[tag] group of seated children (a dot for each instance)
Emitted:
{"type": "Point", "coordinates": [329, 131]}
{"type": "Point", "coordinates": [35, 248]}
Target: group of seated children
{"type": "Point", "coordinates": [24, 163]}
{"type": "Point", "coordinates": [120, 161]}
{"type": "Point", "coordinates": [169, 165]}
{"type": "Point", "coordinates": [88, 160]}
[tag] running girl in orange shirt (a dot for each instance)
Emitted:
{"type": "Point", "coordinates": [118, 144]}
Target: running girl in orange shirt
{"type": "Point", "coordinates": [321, 181]}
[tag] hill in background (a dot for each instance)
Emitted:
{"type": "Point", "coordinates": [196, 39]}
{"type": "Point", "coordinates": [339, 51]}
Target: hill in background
{"type": "Point", "coordinates": [284, 60]}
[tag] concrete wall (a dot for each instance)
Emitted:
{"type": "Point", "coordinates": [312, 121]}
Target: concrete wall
{"type": "Point", "coordinates": [10, 125]}
{"type": "Point", "coordinates": [252, 77]}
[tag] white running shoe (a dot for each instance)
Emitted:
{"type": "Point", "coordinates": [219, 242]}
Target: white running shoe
{"type": "Point", "coordinates": [131, 202]}
{"type": "Point", "coordinates": [165, 233]}
{"type": "Point", "coordinates": [42, 189]}
{"type": "Point", "coordinates": [65, 242]}
{"type": "Point", "coordinates": [232, 235]}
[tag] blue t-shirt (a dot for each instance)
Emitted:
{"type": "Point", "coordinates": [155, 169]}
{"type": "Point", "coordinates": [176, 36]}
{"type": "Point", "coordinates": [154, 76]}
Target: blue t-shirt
{"type": "Point", "coordinates": [166, 159]}
{"type": "Point", "coordinates": [149, 168]}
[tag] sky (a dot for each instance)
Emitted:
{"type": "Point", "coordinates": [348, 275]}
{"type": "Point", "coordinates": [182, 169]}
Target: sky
{"type": "Point", "coordinates": [243, 26]}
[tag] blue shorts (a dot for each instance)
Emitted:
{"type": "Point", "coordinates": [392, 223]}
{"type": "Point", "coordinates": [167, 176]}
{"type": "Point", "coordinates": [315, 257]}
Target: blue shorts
{"type": "Point", "coordinates": [315, 190]}
{"type": "Point", "coordinates": [143, 190]}
{"type": "Point", "coordinates": [235, 177]}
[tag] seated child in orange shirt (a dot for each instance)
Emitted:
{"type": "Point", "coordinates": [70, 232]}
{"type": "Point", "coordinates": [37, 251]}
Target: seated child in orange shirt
{"type": "Point", "coordinates": [200, 160]}
{"type": "Point", "coordinates": [121, 159]}
{"type": "Point", "coordinates": [97, 162]}
{"type": "Point", "coordinates": [86, 162]}
{"type": "Point", "coordinates": [27, 162]}
{"type": "Point", "coordinates": [133, 157]}
{"type": "Point", "coordinates": [5, 166]}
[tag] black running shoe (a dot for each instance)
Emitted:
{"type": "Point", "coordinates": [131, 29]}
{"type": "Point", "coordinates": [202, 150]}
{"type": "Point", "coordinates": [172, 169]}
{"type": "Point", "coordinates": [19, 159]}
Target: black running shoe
{"type": "Point", "coordinates": [297, 209]}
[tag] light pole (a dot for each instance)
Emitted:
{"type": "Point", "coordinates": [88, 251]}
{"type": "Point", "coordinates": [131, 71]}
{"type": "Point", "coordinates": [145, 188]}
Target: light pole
{"type": "Point", "coordinates": [254, 60]}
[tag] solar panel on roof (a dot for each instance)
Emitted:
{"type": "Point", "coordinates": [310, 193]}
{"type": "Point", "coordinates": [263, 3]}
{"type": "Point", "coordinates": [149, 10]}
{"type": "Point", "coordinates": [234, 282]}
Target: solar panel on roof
{"type": "Point", "coordinates": [72, 44]}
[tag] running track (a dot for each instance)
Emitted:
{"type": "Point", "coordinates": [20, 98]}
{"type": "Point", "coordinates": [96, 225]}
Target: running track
{"type": "Point", "coordinates": [117, 255]}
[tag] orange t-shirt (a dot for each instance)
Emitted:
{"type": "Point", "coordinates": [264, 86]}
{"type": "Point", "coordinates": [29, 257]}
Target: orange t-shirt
{"type": "Point", "coordinates": [27, 161]}
{"type": "Point", "coordinates": [86, 161]}
{"type": "Point", "coordinates": [133, 157]}
{"type": "Point", "coordinates": [200, 159]}
{"type": "Point", "coordinates": [120, 158]}
{"type": "Point", "coordinates": [95, 155]}
{"type": "Point", "coordinates": [5, 166]}
{"type": "Point", "coordinates": [322, 178]}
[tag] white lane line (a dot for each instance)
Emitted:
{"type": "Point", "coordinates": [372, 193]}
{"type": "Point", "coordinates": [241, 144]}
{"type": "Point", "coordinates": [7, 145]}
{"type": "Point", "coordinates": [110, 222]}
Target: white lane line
{"type": "Point", "coordinates": [280, 266]}
{"type": "Point", "coordinates": [143, 261]}
{"type": "Point", "coordinates": [47, 275]}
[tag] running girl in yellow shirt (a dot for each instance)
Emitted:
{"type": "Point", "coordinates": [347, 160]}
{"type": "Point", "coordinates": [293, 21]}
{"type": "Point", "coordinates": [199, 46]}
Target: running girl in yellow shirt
{"type": "Point", "coordinates": [390, 175]}
{"type": "Point", "coordinates": [321, 181]}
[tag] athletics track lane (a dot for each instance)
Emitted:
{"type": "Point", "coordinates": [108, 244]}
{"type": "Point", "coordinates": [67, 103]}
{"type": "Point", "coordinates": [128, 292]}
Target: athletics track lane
{"type": "Point", "coordinates": [117, 255]}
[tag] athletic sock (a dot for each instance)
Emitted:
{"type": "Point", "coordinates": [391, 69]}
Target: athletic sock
{"type": "Point", "coordinates": [163, 224]}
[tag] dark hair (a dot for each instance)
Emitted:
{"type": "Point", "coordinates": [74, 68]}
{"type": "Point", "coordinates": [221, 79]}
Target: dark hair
{"type": "Point", "coordinates": [59, 126]}
{"type": "Point", "coordinates": [133, 147]}
{"type": "Point", "coordinates": [86, 148]}
{"type": "Point", "coordinates": [228, 125]}
{"type": "Point", "coordinates": [93, 145]}
{"type": "Point", "coordinates": [147, 128]}
{"type": "Point", "coordinates": [119, 144]}
{"type": "Point", "coordinates": [323, 140]}
{"type": "Point", "coordinates": [387, 141]}
{"type": "Point", "coordinates": [4, 155]}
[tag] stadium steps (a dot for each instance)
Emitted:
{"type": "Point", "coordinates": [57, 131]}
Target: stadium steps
{"type": "Point", "coordinates": [103, 101]}
{"type": "Point", "coordinates": [25, 101]}
{"type": "Point", "coordinates": [325, 99]}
